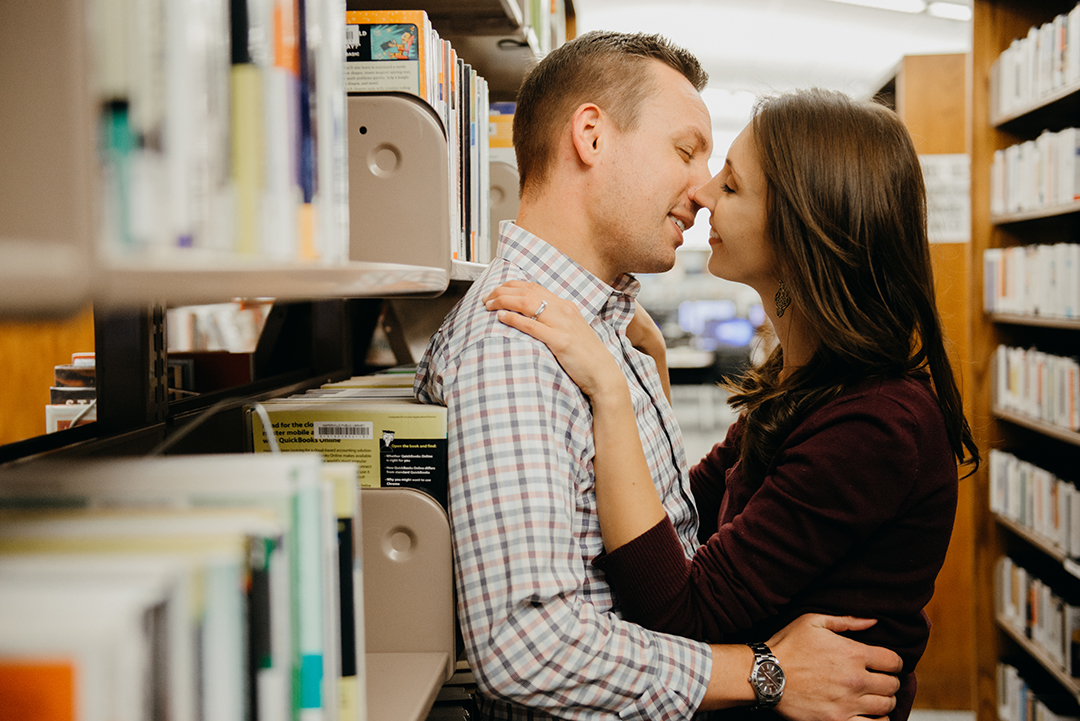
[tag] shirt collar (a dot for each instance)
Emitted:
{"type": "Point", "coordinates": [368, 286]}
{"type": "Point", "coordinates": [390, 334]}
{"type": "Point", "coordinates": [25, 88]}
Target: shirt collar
{"type": "Point", "coordinates": [554, 270]}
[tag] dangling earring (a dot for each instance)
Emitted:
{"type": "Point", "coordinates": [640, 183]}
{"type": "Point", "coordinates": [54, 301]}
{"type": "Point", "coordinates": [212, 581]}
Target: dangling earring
{"type": "Point", "coordinates": [782, 300]}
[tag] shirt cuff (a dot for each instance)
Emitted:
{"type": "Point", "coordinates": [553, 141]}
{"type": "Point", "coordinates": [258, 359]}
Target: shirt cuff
{"type": "Point", "coordinates": [647, 574]}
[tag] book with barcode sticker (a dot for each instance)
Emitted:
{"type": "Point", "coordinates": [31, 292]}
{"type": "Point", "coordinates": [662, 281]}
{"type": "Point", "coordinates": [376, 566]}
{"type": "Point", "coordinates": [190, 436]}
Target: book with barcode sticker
{"type": "Point", "coordinates": [389, 51]}
{"type": "Point", "coordinates": [396, 442]}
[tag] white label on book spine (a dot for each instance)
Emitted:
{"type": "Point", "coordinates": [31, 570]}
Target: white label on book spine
{"type": "Point", "coordinates": [948, 197]}
{"type": "Point", "coordinates": [363, 431]}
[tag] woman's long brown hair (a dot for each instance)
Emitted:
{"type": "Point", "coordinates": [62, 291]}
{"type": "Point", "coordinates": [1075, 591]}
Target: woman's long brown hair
{"type": "Point", "coordinates": [847, 218]}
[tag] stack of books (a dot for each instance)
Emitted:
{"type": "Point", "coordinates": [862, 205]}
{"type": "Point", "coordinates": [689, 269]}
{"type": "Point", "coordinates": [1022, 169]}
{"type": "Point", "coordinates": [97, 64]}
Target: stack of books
{"type": "Point", "coordinates": [201, 587]}
{"type": "Point", "coordinates": [398, 51]}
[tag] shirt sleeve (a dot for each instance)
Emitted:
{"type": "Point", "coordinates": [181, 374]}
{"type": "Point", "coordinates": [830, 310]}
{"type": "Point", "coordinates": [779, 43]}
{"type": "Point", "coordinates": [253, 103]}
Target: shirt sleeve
{"type": "Point", "coordinates": [517, 489]}
{"type": "Point", "coordinates": [836, 481]}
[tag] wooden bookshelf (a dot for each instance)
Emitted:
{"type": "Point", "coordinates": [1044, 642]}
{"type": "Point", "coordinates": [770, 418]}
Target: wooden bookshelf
{"type": "Point", "coordinates": [1035, 321]}
{"type": "Point", "coordinates": [1047, 212]}
{"type": "Point", "coordinates": [996, 23]}
{"type": "Point", "coordinates": [1047, 429]}
{"type": "Point", "coordinates": [927, 92]}
{"type": "Point", "coordinates": [1038, 541]}
{"type": "Point", "coordinates": [1069, 684]}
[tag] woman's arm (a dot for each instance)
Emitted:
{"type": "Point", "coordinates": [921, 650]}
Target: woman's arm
{"type": "Point", "coordinates": [627, 502]}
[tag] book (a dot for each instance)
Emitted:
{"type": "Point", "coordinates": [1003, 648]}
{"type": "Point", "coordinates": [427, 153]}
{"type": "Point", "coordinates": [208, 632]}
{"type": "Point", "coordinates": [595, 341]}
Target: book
{"type": "Point", "coordinates": [103, 633]}
{"type": "Point", "coordinates": [208, 557]}
{"type": "Point", "coordinates": [352, 692]}
{"type": "Point", "coordinates": [389, 51]}
{"type": "Point", "coordinates": [290, 485]}
{"type": "Point", "coordinates": [384, 380]}
{"type": "Point", "coordinates": [38, 689]}
{"type": "Point", "coordinates": [396, 443]}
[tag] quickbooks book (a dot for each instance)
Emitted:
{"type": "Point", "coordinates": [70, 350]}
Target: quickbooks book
{"type": "Point", "coordinates": [397, 443]}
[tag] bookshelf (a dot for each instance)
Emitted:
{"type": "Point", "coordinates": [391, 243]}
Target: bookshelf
{"type": "Point", "coordinates": [52, 194]}
{"type": "Point", "coordinates": [927, 92]}
{"type": "Point", "coordinates": [54, 260]}
{"type": "Point", "coordinates": [996, 25]}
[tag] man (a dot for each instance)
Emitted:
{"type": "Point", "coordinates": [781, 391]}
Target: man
{"type": "Point", "coordinates": [612, 138]}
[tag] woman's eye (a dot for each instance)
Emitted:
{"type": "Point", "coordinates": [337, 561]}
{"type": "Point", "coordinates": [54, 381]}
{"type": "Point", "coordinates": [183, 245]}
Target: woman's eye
{"type": "Point", "coordinates": [727, 188]}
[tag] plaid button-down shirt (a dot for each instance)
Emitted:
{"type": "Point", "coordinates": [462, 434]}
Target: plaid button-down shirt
{"type": "Point", "coordinates": [541, 626]}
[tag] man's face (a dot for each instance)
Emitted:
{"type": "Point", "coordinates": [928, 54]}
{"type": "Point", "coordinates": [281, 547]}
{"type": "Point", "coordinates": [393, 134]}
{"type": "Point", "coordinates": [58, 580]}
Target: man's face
{"type": "Point", "coordinates": [644, 199]}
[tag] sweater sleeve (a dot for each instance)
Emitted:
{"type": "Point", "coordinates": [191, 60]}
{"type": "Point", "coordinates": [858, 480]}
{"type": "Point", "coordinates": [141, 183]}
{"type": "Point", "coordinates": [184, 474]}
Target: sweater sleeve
{"type": "Point", "coordinates": [844, 472]}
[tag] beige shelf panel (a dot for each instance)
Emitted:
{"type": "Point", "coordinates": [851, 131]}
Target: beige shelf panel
{"type": "Point", "coordinates": [408, 575]}
{"type": "Point", "coordinates": [43, 278]}
{"type": "Point", "coordinates": [403, 686]}
{"type": "Point", "coordinates": [48, 146]}
{"type": "Point", "coordinates": [503, 60]}
{"type": "Point", "coordinates": [135, 283]}
{"type": "Point", "coordinates": [399, 182]}
{"type": "Point", "coordinates": [463, 270]}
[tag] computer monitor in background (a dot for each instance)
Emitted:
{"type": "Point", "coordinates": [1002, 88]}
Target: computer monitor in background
{"type": "Point", "coordinates": [756, 314]}
{"type": "Point", "coordinates": [716, 322]}
{"type": "Point", "coordinates": [736, 332]}
{"type": "Point", "coordinates": [695, 314]}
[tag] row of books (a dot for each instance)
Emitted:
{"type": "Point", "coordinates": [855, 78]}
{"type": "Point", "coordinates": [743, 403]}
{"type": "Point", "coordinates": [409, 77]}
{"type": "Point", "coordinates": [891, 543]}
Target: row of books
{"type": "Point", "coordinates": [1037, 499]}
{"type": "Point", "coordinates": [1042, 280]}
{"type": "Point", "coordinates": [1034, 610]}
{"type": "Point", "coordinates": [548, 18]}
{"type": "Point", "coordinates": [233, 327]}
{"type": "Point", "coordinates": [1020, 701]}
{"type": "Point", "coordinates": [369, 420]}
{"type": "Point", "coordinates": [1036, 174]}
{"type": "Point", "coordinates": [1034, 66]}
{"type": "Point", "coordinates": [1039, 385]}
{"type": "Point", "coordinates": [223, 128]}
{"type": "Point", "coordinates": [190, 587]}
{"type": "Point", "coordinates": [399, 51]}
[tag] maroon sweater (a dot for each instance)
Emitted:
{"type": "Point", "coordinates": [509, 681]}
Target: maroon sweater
{"type": "Point", "coordinates": [853, 518]}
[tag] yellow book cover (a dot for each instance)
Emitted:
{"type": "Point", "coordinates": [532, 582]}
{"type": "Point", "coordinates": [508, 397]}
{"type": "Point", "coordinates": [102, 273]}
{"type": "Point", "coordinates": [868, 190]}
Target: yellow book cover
{"type": "Point", "coordinates": [396, 443]}
{"type": "Point", "coordinates": [387, 51]}
{"type": "Point", "coordinates": [386, 380]}
{"type": "Point", "coordinates": [247, 153]}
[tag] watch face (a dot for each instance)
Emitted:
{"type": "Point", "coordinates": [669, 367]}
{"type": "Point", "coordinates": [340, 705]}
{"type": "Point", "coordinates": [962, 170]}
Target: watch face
{"type": "Point", "coordinates": [769, 678]}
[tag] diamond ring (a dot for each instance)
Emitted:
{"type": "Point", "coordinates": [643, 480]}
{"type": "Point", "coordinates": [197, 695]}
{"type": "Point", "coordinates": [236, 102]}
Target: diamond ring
{"type": "Point", "coordinates": [543, 304]}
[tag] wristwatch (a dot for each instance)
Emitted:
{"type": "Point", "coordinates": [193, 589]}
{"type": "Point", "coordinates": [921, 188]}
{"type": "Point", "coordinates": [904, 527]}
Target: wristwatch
{"type": "Point", "coordinates": [766, 676]}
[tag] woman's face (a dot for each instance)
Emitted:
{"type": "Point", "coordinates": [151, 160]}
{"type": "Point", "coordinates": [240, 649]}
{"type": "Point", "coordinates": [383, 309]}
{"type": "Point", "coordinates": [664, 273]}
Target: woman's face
{"type": "Point", "coordinates": [736, 198]}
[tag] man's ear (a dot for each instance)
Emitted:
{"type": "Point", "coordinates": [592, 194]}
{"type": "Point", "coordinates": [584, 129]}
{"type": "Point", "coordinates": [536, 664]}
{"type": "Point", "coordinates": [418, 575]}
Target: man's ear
{"type": "Point", "coordinates": [586, 132]}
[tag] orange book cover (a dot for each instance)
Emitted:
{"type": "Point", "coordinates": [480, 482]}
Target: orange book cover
{"type": "Point", "coordinates": [37, 690]}
{"type": "Point", "coordinates": [387, 51]}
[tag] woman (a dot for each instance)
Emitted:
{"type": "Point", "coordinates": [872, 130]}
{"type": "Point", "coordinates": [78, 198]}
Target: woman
{"type": "Point", "coordinates": [835, 490]}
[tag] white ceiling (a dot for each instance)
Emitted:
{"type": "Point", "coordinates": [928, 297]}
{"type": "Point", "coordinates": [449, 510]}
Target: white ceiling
{"type": "Point", "coordinates": [754, 47]}
{"type": "Point", "coordinates": [762, 46]}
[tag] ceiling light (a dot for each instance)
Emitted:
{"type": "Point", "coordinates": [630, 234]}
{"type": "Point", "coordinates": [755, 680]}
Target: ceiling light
{"type": "Point", "coordinates": [950, 11]}
{"type": "Point", "coordinates": [902, 6]}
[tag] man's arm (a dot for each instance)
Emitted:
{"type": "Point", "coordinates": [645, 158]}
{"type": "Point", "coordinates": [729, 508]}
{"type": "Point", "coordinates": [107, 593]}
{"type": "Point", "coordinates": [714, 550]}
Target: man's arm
{"type": "Point", "coordinates": [829, 677]}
